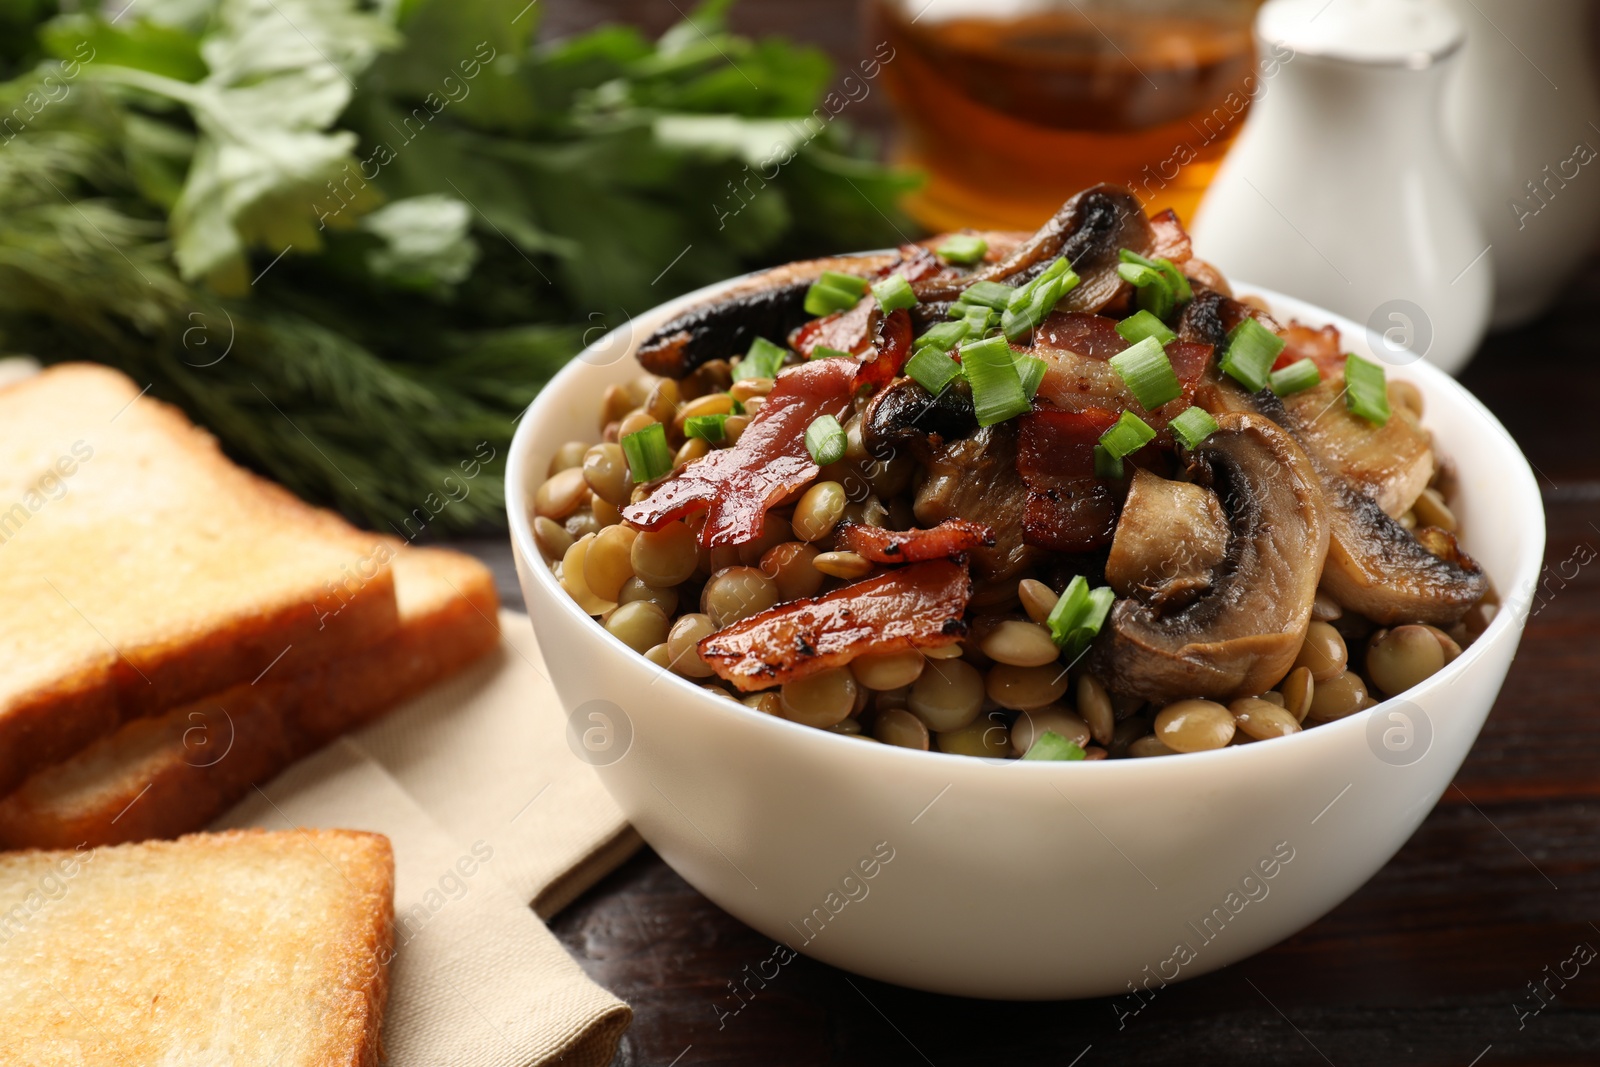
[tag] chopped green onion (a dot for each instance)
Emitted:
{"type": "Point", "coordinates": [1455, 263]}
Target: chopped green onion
{"type": "Point", "coordinates": [1052, 746]}
{"type": "Point", "coordinates": [850, 283]}
{"type": "Point", "coordinates": [978, 319]}
{"type": "Point", "coordinates": [825, 440]}
{"type": "Point", "coordinates": [1366, 390]}
{"type": "Point", "coordinates": [1078, 616]}
{"type": "Point", "coordinates": [932, 369]}
{"type": "Point", "coordinates": [1295, 378]}
{"type": "Point", "coordinates": [826, 299]}
{"type": "Point", "coordinates": [1127, 436]}
{"type": "Point", "coordinates": [997, 393]}
{"type": "Point", "coordinates": [737, 408]}
{"type": "Point", "coordinates": [989, 294]}
{"type": "Point", "coordinates": [1145, 369]}
{"type": "Point", "coordinates": [1142, 324]}
{"type": "Point", "coordinates": [1020, 321]}
{"type": "Point", "coordinates": [1058, 268]}
{"type": "Point", "coordinates": [834, 291]}
{"type": "Point", "coordinates": [1155, 292]}
{"type": "Point", "coordinates": [647, 453]}
{"type": "Point", "coordinates": [962, 248]}
{"type": "Point", "coordinates": [824, 352]}
{"type": "Point", "coordinates": [894, 293]}
{"type": "Point", "coordinates": [1177, 284]}
{"type": "Point", "coordinates": [762, 361]}
{"type": "Point", "coordinates": [1252, 349]}
{"type": "Point", "coordinates": [1105, 464]}
{"type": "Point", "coordinates": [709, 428]}
{"type": "Point", "coordinates": [944, 336]}
{"type": "Point", "coordinates": [1030, 371]}
{"type": "Point", "coordinates": [1031, 303]}
{"type": "Point", "coordinates": [1193, 425]}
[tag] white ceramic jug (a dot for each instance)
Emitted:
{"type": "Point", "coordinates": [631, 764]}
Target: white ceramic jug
{"type": "Point", "coordinates": [1341, 189]}
{"type": "Point", "coordinates": [1523, 113]}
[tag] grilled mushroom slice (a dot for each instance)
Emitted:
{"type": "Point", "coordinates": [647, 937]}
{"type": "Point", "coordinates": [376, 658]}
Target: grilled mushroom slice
{"type": "Point", "coordinates": [1379, 569]}
{"type": "Point", "coordinates": [1376, 567]}
{"type": "Point", "coordinates": [905, 418]}
{"type": "Point", "coordinates": [1090, 230]}
{"type": "Point", "coordinates": [1170, 539]}
{"type": "Point", "coordinates": [768, 304]}
{"type": "Point", "coordinates": [1241, 635]}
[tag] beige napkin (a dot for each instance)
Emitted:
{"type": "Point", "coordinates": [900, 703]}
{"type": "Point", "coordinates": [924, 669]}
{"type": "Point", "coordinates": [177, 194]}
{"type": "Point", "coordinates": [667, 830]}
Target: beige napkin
{"type": "Point", "coordinates": [489, 811]}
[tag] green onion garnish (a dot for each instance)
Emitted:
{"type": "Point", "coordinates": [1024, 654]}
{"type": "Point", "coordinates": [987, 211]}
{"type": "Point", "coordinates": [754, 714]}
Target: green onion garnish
{"type": "Point", "coordinates": [825, 440]}
{"type": "Point", "coordinates": [1052, 746]}
{"type": "Point", "coordinates": [1252, 349]}
{"type": "Point", "coordinates": [932, 369]}
{"type": "Point", "coordinates": [826, 299]}
{"type": "Point", "coordinates": [997, 393]}
{"type": "Point", "coordinates": [1177, 283]}
{"type": "Point", "coordinates": [962, 248]}
{"type": "Point", "coordinates": [1148, 373]}
{"type": "Point", "coordinates": [1295, 378]}
{"type": "Point", "coordinates": [1142, 324]}
{"type": "Point", "coordinates": [944, 336]}
{"type": "Point", "coordinates": [762, 361]}
{"type": "Point", "coordinates": [1078, 616]}
{"type": "Point", "coordinates": [989, 294]}
{"type": "Point", "coordinates": [834, 291]}
{"type": "Point", "coordinates": [1105, 464]}
{"type": "Point", "coordinates": [1366, 390]}
{"type": "Point", "coordinates": [824, 352]}
{"type": "Point", "coordinates": [1193, 425]}
{"type": "Point", "coordinates": [850, 283]}
{"type": "Point", "coordinates": [1129, 434]}
{"type": "Point", "coordinates": [709, 428]}
{"type": "Point", "coordinates": [1030, 371]}
{"type": "Point", "coordinates": [978, 319]}
{"type": "Point", "coordinates": [1031, 303]}
{"type": "Point", "coordinates": [894, 293]}
{"type": "Point", "coordinates": [647, 453]}
{"type": "Point", "coordinates": [1155, 292]}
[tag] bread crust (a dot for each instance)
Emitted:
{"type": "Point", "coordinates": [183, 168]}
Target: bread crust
{"type": "Point", "coordinates": [262, 946]}
{"type": "Point", "coordinates": [166, 776]}
{"type": "Point", "coordinates": [155, 570]}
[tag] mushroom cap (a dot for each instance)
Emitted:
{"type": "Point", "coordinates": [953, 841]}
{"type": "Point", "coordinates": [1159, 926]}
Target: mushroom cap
{"type": "Point", "coordinates": [1242, 635]}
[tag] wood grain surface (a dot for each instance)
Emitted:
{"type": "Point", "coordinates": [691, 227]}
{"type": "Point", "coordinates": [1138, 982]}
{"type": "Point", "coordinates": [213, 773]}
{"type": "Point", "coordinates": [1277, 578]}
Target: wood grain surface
{"type": "Point", "coordinates": [1433, 962]}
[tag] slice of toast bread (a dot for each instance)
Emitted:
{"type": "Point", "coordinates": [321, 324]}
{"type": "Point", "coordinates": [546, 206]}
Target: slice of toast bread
{"type": "Point", "coordinates": [243, 947]}
{"type": "Point", "coordinates": [142, 569]}
{"type": "Point", "coordinates": [173, 774]}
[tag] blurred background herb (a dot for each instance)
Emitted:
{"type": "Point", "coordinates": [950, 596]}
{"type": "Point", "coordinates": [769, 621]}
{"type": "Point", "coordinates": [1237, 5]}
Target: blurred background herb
{"type": "Point", "coordinates": [353, 242]}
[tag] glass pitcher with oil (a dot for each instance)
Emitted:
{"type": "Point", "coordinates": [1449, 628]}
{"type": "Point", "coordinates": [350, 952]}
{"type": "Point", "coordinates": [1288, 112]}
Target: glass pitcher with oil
{"type": "Point", "coordinates": [1011, 106]}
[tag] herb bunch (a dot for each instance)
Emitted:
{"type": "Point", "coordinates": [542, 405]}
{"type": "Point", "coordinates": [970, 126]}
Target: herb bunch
{"type": "Point", "coordinates": [354, 242]}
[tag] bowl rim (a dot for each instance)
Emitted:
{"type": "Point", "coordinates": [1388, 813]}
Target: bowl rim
{"type": "Point", "coordinates": [1519, 482]}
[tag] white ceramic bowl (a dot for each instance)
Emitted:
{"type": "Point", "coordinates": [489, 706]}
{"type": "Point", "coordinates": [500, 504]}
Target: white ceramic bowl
{"type": "Point", "coordinates": [1008, 879]}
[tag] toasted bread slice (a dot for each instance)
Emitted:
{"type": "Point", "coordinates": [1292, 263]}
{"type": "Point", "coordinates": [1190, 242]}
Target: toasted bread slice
{"type": "Point", "coordinates": [242, 947]}
{"type": "Point", "coordinates": [171, 775]}
{"type": "Point", "coordinates": [141, 569]}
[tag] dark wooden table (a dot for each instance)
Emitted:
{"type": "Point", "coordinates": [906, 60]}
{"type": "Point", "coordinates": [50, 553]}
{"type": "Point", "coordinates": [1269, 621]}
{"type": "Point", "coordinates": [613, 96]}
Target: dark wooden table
{"type": "Point", "coordinates": [1433, 962]}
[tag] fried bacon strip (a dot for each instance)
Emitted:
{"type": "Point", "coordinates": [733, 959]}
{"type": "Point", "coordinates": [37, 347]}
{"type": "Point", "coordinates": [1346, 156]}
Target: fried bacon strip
{"type": "Point", "coordinates": [846, 331]}
{"type": "Point", "coordinates": [890, 351]}
{"type": "Point", "coordinates": [737, 485]}
{"type": "Point", "coordinates": [947, 540]}
{"type": "Point", "coordinates": [1168, 238]}
{"type": "Point", "coordinates": [919, 606]}
{"type": "Point", "coordinates": [1321, 346]}
{"type": "Point", "coordinates": [881, 343]}
{"type": "Point", "coordinates": [1068, 508]}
